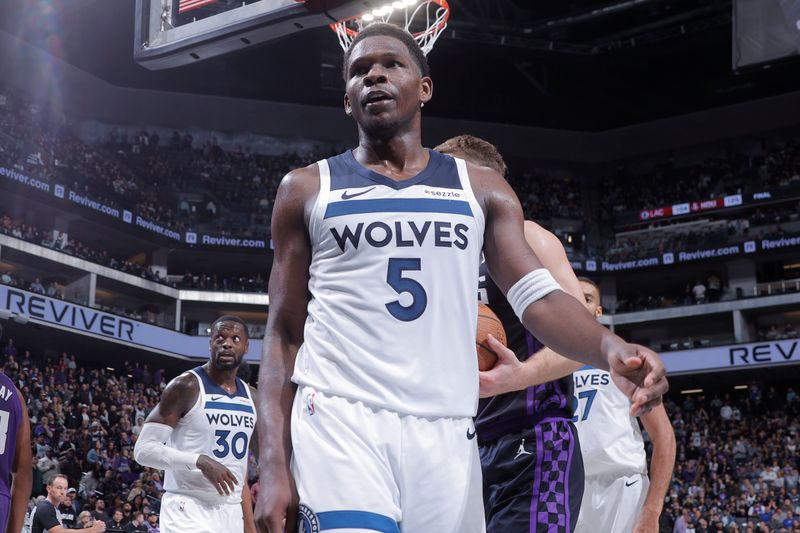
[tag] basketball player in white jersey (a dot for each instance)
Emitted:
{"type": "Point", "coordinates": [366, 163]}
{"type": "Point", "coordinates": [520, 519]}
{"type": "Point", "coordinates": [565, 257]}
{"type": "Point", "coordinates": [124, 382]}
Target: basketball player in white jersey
{"type": "Point", "coordinates": [369, 378]}
{"type": "Point", "coordinates": [618, 495]}
{"type": "Point", "coordinates": [199, 434]}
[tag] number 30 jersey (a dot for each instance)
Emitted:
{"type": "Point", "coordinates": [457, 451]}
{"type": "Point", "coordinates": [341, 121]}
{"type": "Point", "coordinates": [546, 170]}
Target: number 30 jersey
{"type": "Point", "coordinates": [611, 441]}
{"type": "Point", "coordinates": [219, 425]}
{"type": "Point", "coordinates": [393, 279]}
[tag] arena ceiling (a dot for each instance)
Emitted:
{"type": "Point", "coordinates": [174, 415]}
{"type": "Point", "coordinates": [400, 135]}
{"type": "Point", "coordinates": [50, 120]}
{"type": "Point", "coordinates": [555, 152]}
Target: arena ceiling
{"type": "Point", "coordinates": [569, 64]}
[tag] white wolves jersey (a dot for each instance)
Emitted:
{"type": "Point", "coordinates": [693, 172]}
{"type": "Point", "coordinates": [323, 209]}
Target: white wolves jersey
{"type": "Point", "coordinates": [393, 279]}
{"type": "Point", "coordinates": [218, 425]}
{"type": "Point", "coordinates": [611, 441]}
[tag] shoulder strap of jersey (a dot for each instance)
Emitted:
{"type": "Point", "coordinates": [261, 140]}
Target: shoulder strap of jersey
{"type": "Point", "coordinates": [463, 175]}
{"type": "Point", "coordinates": [321, 204]}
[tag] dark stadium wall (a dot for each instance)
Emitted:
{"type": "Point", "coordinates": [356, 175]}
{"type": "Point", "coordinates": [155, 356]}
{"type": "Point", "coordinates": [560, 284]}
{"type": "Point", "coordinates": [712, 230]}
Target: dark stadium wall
{"type": "Point", "coordinates": [42, 76]}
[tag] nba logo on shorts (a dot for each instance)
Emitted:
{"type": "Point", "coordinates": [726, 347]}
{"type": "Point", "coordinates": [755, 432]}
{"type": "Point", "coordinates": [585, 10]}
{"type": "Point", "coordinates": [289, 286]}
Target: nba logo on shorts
{"type": "Point", "coordinates": [59, 191]}
{"type": "Point", "coordinates": [668, 258]}
{"type": "Point", "coordinates": [127, 216]}
{"type": "Point", "coordinates": [307, 520]}
{"type": "Point", "coordinates": [191, 237]}
{"type": "Point", "coordinates": [310, 403]}
{"type": "Point", "coordinates": [749, 247]}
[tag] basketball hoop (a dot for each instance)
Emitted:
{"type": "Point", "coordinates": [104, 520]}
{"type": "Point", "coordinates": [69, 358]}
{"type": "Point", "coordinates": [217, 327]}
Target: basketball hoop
{"type": "Point", "coordinates": [424, 20]}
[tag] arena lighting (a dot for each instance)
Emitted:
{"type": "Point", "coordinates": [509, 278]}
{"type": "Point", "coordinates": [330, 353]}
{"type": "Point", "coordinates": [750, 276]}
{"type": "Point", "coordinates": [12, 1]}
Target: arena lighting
{"type": "Point", "coordinates": [109, 369]}
{"type": "Point", "coordinates": [368, 17]}
{"type": "Point", "coordinates": [740, 387]}
{"type": "Point", "coordinates": [691, 391]}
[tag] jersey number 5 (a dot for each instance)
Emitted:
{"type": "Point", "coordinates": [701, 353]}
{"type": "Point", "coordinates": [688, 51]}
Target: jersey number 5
{"type": "Point", "coordinates": [395, 279]}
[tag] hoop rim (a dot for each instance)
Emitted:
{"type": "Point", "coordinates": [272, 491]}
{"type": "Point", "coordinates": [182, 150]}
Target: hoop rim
{"type": "Point", "coordinates": [341, 25]}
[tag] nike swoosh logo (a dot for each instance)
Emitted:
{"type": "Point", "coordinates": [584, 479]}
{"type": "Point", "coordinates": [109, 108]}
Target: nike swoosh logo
{"type": "Point", "coordinates": [346, 196]}
{"type": "Point", "coordinates": [632, 483]}
{"type": "Point", "coordinates": [470, 436]}
{"type": "Point", "coordinates": [215, 398]}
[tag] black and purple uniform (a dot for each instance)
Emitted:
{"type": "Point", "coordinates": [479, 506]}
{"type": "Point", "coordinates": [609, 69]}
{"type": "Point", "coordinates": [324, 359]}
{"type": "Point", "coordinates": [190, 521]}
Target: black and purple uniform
{"type": "Point", "coordinates": [530, 455]}
{"type": "Point", "coordinates": [10, 419]}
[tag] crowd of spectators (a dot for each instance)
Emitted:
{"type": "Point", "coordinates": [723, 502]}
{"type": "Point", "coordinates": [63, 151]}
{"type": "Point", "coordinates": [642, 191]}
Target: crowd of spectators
{"type": "Point", "coordinates": [771, 165]}
{"type": "Point", "coordinates": [699, 234]}
{"type": "Point", "coordinates": [84, 423]}
{"type": "Point", "coordinates": [229, 282]}
{"type": "Point", "coordinates": [737, 462]}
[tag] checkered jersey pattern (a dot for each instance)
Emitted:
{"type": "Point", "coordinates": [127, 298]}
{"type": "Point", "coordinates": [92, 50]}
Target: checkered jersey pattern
{"type": "Point", "coordinates": [555, 444]}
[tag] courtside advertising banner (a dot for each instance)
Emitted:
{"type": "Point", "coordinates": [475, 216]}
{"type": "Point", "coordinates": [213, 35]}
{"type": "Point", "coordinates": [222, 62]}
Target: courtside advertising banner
{"type": "Point", "coordinates": [85, 320]}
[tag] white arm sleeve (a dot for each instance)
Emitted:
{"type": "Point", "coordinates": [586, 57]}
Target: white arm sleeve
{"type": "Point", "coordinates": [533, 286]}
{"type": "Point", "coordinates": [151, 449]}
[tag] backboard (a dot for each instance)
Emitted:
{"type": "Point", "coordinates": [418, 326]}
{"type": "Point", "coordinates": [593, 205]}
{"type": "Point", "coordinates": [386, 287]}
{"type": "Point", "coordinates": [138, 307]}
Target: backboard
{"type": "Point", "coordinates": [171, 33]}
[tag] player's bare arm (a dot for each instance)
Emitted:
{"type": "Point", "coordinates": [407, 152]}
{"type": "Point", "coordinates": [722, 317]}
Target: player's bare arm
{"type": "Point", "coordinates": [658, 426]}
{"type": "Point", "coordinates": [22, 482]}
{"type": "Point", "coordinates": [151, 449]}
{"type": "Point", "coordinates": [509, 373]}
{"type": "Point", "coordinates": [247, 500]}
{"type": "Point", "coordinates": [557, 319]}
{"type": "Point", "coordinates": [289, 296]}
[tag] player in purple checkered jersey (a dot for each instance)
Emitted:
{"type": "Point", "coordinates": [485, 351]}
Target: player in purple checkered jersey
{"type": "Point", "coordinates": [16, 475]}
{"type": "Point", "coordinates": [530, 455]}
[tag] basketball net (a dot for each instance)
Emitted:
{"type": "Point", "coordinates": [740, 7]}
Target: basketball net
{"type": "Point", "coordinates": [424, 20]}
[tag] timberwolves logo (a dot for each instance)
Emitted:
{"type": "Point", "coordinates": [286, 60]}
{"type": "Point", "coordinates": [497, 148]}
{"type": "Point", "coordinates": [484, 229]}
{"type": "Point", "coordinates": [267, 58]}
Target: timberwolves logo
{"type": "Point", "coordinates": [308, 522]}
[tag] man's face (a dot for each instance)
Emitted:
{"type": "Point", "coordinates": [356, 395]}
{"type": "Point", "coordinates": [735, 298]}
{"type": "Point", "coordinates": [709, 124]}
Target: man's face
{"type": "Point", "coordinates": [117, 516]}
{"type": "Point", "coordinates": [384, 87]}
{"type": "Point", "coordinates": [153, 519]}
{"type": "Point", "coordinates": [100, 505]}
{"type": "Point", "coordinates": [57, 491]}
{"type": "Point", "coordinates": [591, 297]}
{"type": "Point", "coordinates": [228, 344]}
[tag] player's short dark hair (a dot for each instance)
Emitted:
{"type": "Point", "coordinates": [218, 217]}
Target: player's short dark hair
{"type": "Point", "coordinates": [589, 281]}
{"type": "Point", "coordinates": [230, 318]}
{"type": "Point", "coordinates": [475, 150]}
{"type": "Point", "coordinates": [389, 30]}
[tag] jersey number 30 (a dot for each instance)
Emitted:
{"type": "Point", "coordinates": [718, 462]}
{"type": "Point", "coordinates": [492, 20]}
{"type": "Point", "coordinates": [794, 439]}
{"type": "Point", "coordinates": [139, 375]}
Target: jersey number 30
{"type": "Point", "coordinates": [395, 279]}
{"type": "Point", "coordinates": [237, 444]}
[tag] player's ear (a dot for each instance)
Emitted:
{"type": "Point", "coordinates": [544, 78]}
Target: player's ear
{"type": "Point", "coordinates": [348, 109]}
{"type": "Point", "coordinates": [599, 311]}
{"type": "Point", "coordinates": [425, 89]}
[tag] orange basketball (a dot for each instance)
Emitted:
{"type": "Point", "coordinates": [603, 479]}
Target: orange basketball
{"type": "Point", "coordinates": [488, 323]}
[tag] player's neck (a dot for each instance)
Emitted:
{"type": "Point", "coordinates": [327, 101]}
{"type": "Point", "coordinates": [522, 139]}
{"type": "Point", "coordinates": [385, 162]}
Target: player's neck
{"type": "Point", "coordinates": [224, 378]}
{"type": "Point", "coordinates": [396, 155]}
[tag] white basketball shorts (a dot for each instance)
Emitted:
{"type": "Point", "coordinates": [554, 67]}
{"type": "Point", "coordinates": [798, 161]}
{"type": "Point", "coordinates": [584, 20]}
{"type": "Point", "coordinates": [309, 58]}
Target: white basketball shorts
{"type": "Point", "coordinates": [612, 505]}
{"type": "Point", "coordinates": [364, 469]}
{"type": "Point", "coordinates": [180, 514]}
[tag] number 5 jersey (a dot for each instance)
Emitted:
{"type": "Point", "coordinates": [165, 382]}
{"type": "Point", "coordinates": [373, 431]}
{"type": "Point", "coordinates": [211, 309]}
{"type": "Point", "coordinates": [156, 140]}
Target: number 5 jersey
{"type": "Point", "coordinates": [393, 279]}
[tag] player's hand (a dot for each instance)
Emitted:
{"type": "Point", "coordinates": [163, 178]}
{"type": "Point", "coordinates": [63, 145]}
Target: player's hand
{"type": "Point", "coordinates": [647, 522]}
{"type": "Point", "coordinates": [639, 373]}
{"type": "Point", "coordinates": [219, 476]}
{"type": "Point", "coordinates": [277, 503]}
{"type": "Point", "coordinates": [98, 527]}
{"type": "Point", "coordinates": [504, 375]}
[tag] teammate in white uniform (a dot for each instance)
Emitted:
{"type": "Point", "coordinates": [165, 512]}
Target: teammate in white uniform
{"type": "Point", "coordinates": [618, 495]}
{"type": "Point", "coordinates": [369, 376]}
{"type": "Point", "coordinates": [200, 434]}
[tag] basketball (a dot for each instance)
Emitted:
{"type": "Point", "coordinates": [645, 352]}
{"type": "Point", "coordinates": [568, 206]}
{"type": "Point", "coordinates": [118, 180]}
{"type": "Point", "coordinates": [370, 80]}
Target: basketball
{"type": "Point", "coordinates": [487, 323]}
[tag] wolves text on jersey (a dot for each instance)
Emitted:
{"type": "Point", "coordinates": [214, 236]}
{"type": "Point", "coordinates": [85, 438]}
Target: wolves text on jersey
{"type": "Point", "coordinates": [403, 234]}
